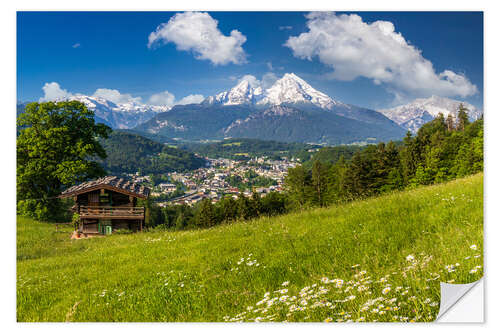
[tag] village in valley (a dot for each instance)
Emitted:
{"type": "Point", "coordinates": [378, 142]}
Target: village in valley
{"type": "Point", "coordinates": [220, 178]}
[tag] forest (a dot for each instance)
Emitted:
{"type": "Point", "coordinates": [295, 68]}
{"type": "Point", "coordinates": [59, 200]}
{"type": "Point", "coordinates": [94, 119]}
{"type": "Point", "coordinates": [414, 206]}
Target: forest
{"type": "Point", "coordinates": [130, 153]}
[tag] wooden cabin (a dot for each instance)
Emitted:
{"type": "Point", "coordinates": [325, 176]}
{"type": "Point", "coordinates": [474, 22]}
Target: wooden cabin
{"type": "Point", "coordinates": [108, 204]}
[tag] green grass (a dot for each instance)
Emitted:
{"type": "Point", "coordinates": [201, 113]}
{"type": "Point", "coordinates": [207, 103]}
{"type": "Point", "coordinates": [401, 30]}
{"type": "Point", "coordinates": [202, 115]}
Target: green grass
{"type": "Point", "coordinates": [379, 259]}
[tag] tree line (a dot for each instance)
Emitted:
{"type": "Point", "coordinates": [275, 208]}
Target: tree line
{"type": "Point", "coordinates": [442, 150]}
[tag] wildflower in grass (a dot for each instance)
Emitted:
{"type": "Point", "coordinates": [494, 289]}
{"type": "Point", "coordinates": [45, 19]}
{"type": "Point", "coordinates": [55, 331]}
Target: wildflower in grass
{"type": "Point", "coordinates": [283, 291]}
{"type": "Point", "coordinates": [328, 320]}
{"type": "Point", "coordinates": [354, 266]}
{"type": "Point", "coordinates": [433, 304]}
{"type": "Point", "coordinates": [362, 288]}
{"type": "Point", "coordinates": [473, 247]}
{"type": "Point", "coordinates": [303, 302]}
{"type": "Point", "coordinates": [410, 257]}
{"type": "Point", "coordinates": [386, 290]}
{"type": "Point", "coordinates": [450, 268]}
{"type": "Point", "coordinates": [361, 319]}
{"type": "Point", "coordinates": [286, 283]}
{"type": "Point", "coordinates": [325, 280]}
{"type": "Point", "coordinates": [472, 271]}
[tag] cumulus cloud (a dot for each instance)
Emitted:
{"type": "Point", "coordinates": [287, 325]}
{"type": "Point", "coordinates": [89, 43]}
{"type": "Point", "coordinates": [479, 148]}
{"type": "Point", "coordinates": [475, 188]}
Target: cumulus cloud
{"type": "Point", "coordinates": [197, 32]}
{"type": "Point", "coordinates": [267, 80]}
{"type": "Point", "coordinates": [254, 82]}
{"type": "Point", "coordinates": [354, 48]}
{"type": "Point", "coordinates": [166, 98]}
{"type": "Point", "coordinates": [53, 92]}
{"type": "Point", "coordinates": [191, 99]}
{"type": "Point", "coordinates": [115, 96]}
{"type": "Point", "coordinates": [162, 98]}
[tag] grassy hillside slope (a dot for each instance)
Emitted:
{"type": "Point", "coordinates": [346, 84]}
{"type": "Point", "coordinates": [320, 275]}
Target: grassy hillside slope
{"type": "Point", "coordinates": [379, 259]}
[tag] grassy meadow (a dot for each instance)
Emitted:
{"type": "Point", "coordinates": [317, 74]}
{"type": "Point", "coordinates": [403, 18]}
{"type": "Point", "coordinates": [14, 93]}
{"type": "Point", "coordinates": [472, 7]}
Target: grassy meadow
{"type": "Point", "coordinates": [379, 259]}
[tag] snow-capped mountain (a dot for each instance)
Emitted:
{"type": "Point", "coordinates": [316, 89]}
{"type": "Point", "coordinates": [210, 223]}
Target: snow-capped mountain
{"type": "Point", "coordinates": [242, 93]}
{"type": "Point", "coordinates": [290, 89]}
{"type": "Point", "coordinates": [289, 110]}
{"type": "Point", "coordinates": [123, 115]}
{"type": "Point", "coordinates": [413, 115]}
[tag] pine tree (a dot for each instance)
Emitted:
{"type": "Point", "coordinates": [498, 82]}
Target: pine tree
{"type": "Point", "coordinates": [206, 214]}
{"type": "Point", "coordinates": [450, 122]}
{"type": "Point", "coordinates": [319, 183]}
{"type": "Point", "coordinates": [297, 183]}
{"type": "Point", "coordinates": [463, 118]}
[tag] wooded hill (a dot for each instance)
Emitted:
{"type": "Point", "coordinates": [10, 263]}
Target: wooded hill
{"type": "Point", "coordinates": [129, 153]}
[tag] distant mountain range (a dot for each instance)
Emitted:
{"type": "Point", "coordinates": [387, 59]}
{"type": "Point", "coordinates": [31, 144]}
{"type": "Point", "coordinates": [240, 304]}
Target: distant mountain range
{"type": "Point", "coordinates": [290, 110]}
{"type": "Point", "coordinates": [413, 115]}
{"type": "Point", "coordinates": [120, 116]}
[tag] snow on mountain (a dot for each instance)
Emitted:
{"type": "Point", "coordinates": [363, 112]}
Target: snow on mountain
{"type": "Point", "coordinates": [123, 115]}
{"type": "Point", "coordinates": [290, 89]}
{"type": "Point", "coordinates": [413, 115]}
{"type": "Point", "coordinates": [242, 93]}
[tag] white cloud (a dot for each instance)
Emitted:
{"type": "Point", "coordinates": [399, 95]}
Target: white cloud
{"type": "Point", "coordinates": [163, 98]}
{"type": "Point", "coordinates": [77, 45]}
{"type": "Point", "coordinates": [115, 96]}
{"type": "Point", "coordinates": [269, 65]}
{"type": "Point", "coordinates": [254, 82]}
{"type": "Point", "coordinates": [198, 32]}
{"type": "Point", "coordinates": [268, 80]}
{"type": "Point", "coordinates": [285, 27]}
{"type": "Point", "coordinates": [191, 99]}
{"type": "Point", "coordinates": [166, 98]}
{"type": "Point", "coordinates": [53, 92]}
{"type": "Point", "coordinates": [376, 51]}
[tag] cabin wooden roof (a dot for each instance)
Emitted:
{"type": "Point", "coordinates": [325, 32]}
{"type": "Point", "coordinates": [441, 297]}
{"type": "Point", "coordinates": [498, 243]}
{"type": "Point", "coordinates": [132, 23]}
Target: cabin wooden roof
{"type": "Point", "coordinates": [112, 183]}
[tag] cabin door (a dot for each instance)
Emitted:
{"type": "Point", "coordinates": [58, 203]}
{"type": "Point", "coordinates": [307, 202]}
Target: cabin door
{"type": "Point", "coordinates": [94, 199]}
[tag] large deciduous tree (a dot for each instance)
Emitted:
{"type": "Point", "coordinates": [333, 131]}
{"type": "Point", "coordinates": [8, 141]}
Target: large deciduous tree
{"type": "Point", "coordinates": [57, 146]}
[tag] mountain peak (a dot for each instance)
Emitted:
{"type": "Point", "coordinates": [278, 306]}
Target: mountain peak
{"type": "Point", "coordinates": [289, 89]}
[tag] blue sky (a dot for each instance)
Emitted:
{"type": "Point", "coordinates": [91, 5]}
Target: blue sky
{"type": "Point", "coordinates": [348, 57]}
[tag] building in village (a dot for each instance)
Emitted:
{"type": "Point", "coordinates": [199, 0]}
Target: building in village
{"type": "Point", "coordinates": [108, 204]}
